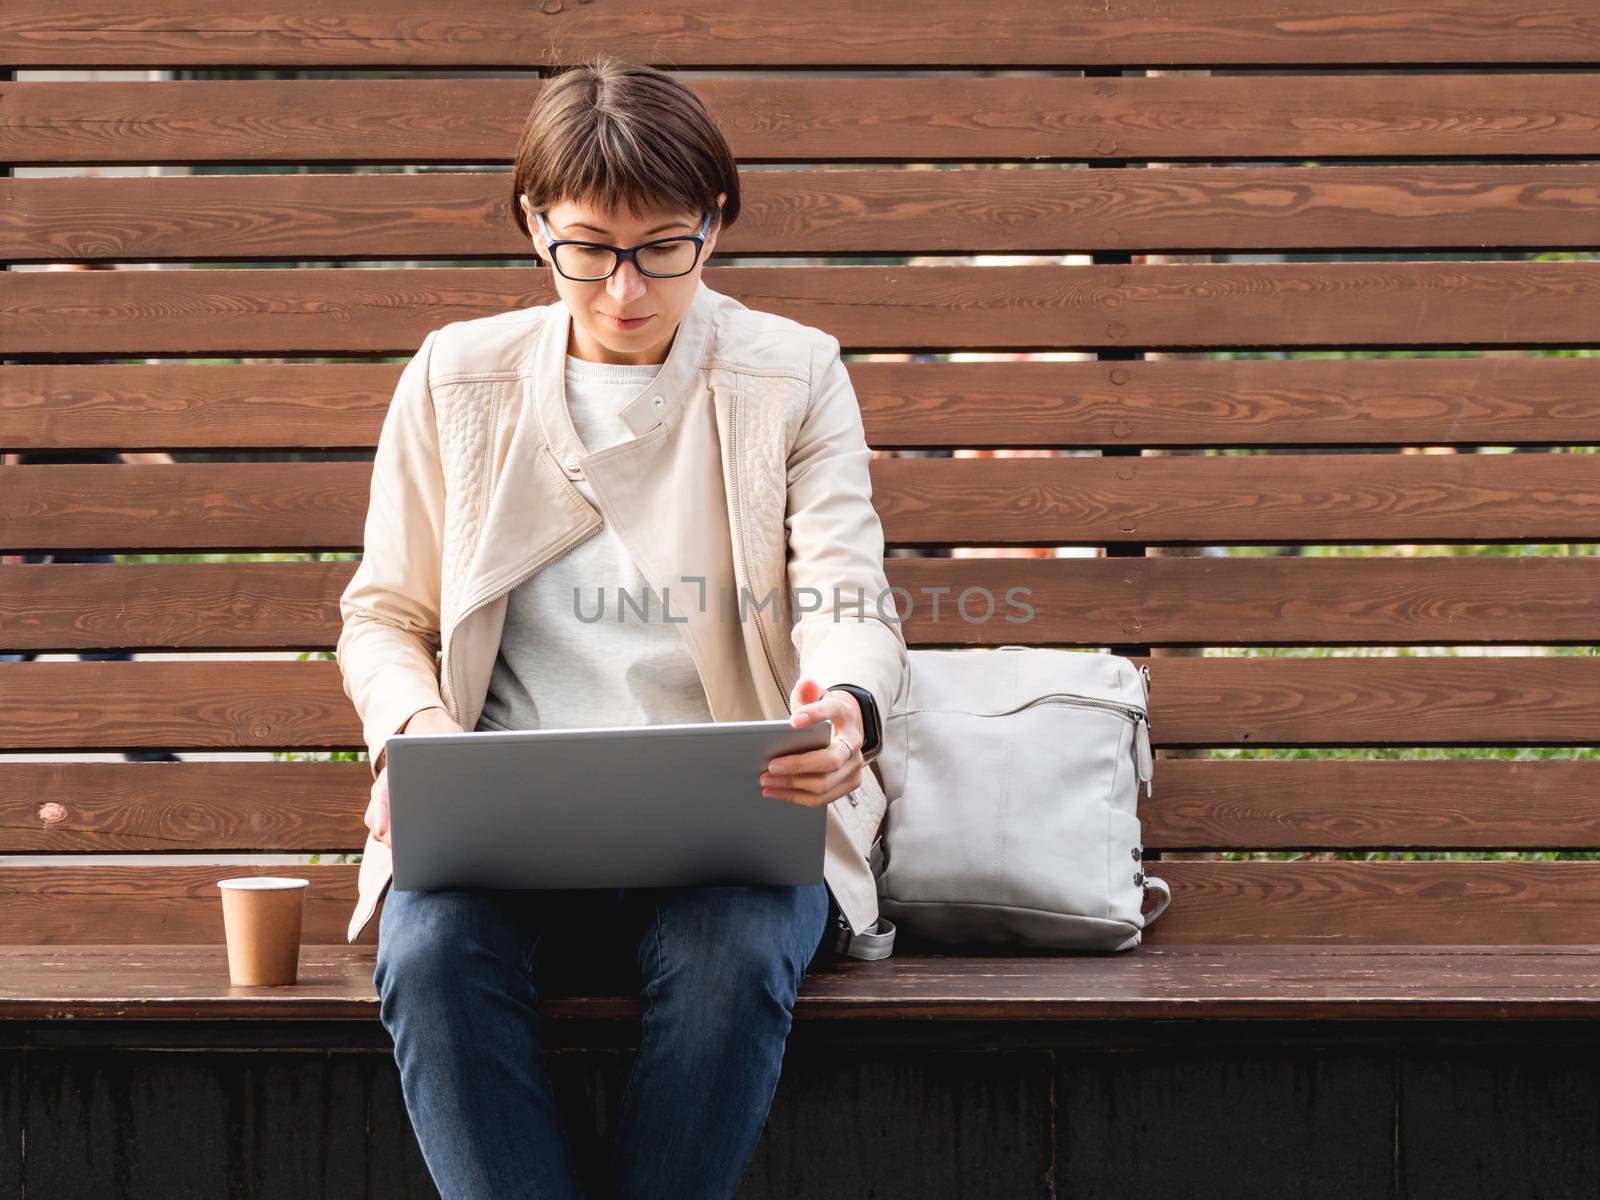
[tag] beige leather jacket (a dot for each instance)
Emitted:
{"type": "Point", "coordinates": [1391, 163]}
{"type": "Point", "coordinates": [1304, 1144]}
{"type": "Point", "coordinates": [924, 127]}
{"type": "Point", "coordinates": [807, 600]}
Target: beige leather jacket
{"type": "Point", "coordinates": [753, 420]}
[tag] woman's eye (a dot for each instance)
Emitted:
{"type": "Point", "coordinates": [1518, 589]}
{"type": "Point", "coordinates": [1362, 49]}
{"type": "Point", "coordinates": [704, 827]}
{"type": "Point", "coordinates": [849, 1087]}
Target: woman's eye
{"type": "Point", "coordinates": [669, 256]}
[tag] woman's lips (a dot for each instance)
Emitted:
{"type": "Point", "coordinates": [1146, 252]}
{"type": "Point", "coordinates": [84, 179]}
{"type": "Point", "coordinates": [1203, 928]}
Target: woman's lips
{"type": "Point", "coordinates": [618, 324]}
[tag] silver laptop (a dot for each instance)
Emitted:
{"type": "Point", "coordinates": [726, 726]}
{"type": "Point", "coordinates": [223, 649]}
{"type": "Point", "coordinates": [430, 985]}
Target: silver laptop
{"type": "Point", "coordinates": [624, 806]}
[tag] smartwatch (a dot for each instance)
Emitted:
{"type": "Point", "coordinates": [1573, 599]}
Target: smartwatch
{"type": "Point", "coordinates": [871, 720]}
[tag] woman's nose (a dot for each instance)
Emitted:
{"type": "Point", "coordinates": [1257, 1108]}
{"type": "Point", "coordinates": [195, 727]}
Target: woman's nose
{"type": "Point", "coordinates": [625, 282]}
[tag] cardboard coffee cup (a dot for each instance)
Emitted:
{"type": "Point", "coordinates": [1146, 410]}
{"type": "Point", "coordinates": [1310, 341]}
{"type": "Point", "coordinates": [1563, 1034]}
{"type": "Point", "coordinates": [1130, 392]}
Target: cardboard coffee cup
{"type": "Point", "coordinates": [261, 918]}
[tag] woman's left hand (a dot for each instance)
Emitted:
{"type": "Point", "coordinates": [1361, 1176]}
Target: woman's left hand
{"type": "Point", "coordinates": [819, 777]}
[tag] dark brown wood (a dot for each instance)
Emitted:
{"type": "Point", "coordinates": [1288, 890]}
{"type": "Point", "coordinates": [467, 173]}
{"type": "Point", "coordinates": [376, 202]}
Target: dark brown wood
{"type": "Point", "coordinates": [159, 904]}
{"type": "Point", "coordinates": [1433, 599]}
{"type": "Point", "coordinates": [1220, 804]}
{"type": "Point", "coordinates": [1079, 501]}
{"type": "Point", "coordinates": [795, 119]}
{"type": "Point", "coordinates": [1273, 701]}
{"type": "Point", "coordinates": [199, 406]}
{"type": "Point", "coordinates": [833, 33]}
{"type": "Point", "coordinates": [1235, 500]}
{"type": "Point", "coordinates": [1497, 401]}
{"type": "Point", "coordinates": [173, 981]}
{"type": "Point", "coordinates": [1332, 804]}
{"type": "Point", "coordinates": [1298, 940]}
{"type": "Point", "coordinates": [177, 808]}
{"type": "Point", "coordinates": [1239, 903]}
{"type": "Point", "coordinates": [1085, 603]}
{"type": "Point", "coordinates": [1240, 306]}
{"type": "Point", "coordinates": [468, 214]}
{"type": "Point", "coordinates": [1380, 903]}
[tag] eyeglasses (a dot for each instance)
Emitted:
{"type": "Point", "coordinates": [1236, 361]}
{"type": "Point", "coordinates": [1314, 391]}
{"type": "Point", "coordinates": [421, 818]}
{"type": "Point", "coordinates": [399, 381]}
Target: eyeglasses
{"type": "Point", "coordinates": [588, 262]}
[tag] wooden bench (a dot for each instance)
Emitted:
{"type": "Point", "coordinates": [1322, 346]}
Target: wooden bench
{"type": "Point", "coordinates": [1346, 1020]}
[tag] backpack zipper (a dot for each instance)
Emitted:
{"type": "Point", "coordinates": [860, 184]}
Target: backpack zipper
{"type": "Point", "coordinates": [1143, 754]}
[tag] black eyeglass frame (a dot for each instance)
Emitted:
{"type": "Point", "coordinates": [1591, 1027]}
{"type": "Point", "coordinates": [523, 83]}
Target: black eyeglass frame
{"type": "Point", "coordinates": [622, 255]}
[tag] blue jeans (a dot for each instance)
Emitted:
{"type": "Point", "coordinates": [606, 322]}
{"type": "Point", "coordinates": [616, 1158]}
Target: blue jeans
{"type": "Point", "coordinates": [458, 978]}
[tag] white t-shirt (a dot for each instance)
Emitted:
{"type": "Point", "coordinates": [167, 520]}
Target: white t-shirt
{"type": "Point", "coordinates": [558, 668]}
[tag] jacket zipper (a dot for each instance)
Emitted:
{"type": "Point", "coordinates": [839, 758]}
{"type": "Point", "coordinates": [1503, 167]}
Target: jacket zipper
{"type": "Point", "coordinates": [448, 674]}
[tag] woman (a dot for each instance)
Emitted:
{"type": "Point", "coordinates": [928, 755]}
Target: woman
{"type": "Point", "coordinates": [641, 432]}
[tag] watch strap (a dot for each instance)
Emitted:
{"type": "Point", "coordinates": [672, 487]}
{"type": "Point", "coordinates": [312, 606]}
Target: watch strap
{"type": "Point", "coordinates": [872, 719]}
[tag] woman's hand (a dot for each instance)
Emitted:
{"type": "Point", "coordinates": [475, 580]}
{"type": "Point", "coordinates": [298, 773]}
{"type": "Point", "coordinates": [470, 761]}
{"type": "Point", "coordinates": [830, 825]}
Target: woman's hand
{"type": "Point", "coordinates": [819, 777]}
{"type": "Point", "coordinates": [429, 720]}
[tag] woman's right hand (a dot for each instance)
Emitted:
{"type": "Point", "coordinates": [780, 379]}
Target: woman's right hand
{"type": "Point", "coordinates": [429, 720]}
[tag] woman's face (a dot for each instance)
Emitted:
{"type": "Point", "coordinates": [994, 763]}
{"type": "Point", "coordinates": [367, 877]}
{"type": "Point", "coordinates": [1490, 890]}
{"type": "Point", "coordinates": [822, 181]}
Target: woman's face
{"type": "Point", "coordinates": [594, 336]}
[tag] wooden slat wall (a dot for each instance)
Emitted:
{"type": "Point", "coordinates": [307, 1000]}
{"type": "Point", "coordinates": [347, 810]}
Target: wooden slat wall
{"type": "Point", "coordinates": [782, 119]}
{"type": "Point", "coordinates": [1240, 306]}
{"type": "Point", "coordinates": [1441, 165]}
{"type": "Point", "coordinates": [1067, 405]}
{"type": "Point", "coordinates": [1168, 602]}
{"type": "Point", "coordinates": [829, 33]}
{"type": "Point", "coordinates": [459, 214]}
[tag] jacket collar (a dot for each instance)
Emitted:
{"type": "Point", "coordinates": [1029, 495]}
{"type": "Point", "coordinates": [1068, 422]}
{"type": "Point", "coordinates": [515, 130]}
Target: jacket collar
{"type": "Point", "coordinates": [533, 507]}
{"type": "Point", "coordinates": [672, 383]}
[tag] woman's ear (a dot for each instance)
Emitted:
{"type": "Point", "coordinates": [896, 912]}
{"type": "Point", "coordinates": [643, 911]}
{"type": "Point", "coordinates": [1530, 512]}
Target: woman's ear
{"type": "Point", "coordinates": [533, 227]}
{"type": "Point", "coordinates": [716, 224]}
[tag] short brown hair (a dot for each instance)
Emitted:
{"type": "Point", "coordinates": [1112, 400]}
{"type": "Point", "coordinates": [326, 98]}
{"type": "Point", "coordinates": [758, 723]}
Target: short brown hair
{"type": "Point", "coordinates": [622, 137]}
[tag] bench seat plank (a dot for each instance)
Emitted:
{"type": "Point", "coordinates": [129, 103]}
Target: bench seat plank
{"type": "Point", "coordinates": [96, 982]}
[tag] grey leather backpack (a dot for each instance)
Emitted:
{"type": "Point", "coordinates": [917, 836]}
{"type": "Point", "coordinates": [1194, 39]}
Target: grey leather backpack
{"type": "Point", "coordinates": [1012, 777]}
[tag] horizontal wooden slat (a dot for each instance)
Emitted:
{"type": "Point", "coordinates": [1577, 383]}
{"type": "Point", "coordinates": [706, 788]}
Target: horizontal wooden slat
{"type": "Point", "coordinates": [1229, 903]}
{"type": "Point", "coordinates": [325, 217]}
{"type": "Point", "coordinates": [62, 905]}
{"type": "Point", "coordinates": [1423, 700]}
{"type": "Point", "coordinates": [1342, 804]}
{"type": "Point", "coordinates": [1278, 499]}
{"type": "Point", "coordinates": [169, 981]}
{"type": "Point", "coordinates": [175, 606]}
{"type": "Point", "coordinates": [1198, 804]}
{"type": "Point", "coordinates": [1239, 306]}
{"type": "Point", "coordinates": [206, 406]}
{"type": "Point", "coordinates": [788, 119]}
{"type": "Point", "coordinates": [190, 506]}
{"type": "Point", "coordinates": [832, 33]}
{"type": "Point", "coordinates": [1249, 500]}
{"type": "Point", "coordinates": [1079, 602]}
{"type": "Point", "coordinates": [1364, 903]}
{"type": "Point", "coordinates": [182, 705]}
{"type": "Point", "coordinates": [177, 808]}
{"type": "Point", "coordinates": [1431, 600]}
{"type": "Point", "coordinates": [1497, 400]}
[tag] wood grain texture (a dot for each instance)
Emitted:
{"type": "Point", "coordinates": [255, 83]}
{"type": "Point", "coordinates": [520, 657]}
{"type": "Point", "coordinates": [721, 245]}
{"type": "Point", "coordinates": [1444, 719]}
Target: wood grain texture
{"type": "Point", "coordinates": [1296, 940]}
{"type": "Point", "coordinates": [176, 981]}
{"type": "Point", "coordinates": [1080, 501]}
{"type": "Point", "coordinates": [1415, 700]}
{"type": "Point", "coordinates": [1221, 804]}
{"type": "Point", "coordinates": [1235, 903]}
{"type": "Point", "coordinates": [1238, 306]}
{"type": "Point", "coordinates": [467, 214]}
{"type": "Point", "coordinates": [784, 118]}
{"type": "Point", "coordinates": [1082, 603]}
{"type": "Point", "coordinates": [829, 33]}
{"type": "Point", "coordinates": [1501, 400]}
